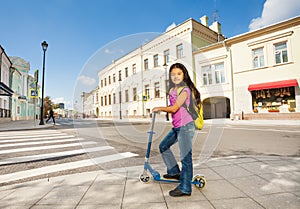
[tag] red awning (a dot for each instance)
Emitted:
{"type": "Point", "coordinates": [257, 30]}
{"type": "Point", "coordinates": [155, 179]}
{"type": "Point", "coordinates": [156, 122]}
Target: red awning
{"type": "Point", "coordinates": [273, 85]}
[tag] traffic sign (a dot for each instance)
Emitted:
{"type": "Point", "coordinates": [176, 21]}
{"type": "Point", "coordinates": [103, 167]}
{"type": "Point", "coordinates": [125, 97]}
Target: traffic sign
{"type": "Point", "coordinates": [34, 93]}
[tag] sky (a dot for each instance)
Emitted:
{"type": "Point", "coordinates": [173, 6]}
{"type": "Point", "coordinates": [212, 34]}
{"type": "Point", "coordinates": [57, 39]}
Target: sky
{"type": "Point", "coordinates": [77, 30]}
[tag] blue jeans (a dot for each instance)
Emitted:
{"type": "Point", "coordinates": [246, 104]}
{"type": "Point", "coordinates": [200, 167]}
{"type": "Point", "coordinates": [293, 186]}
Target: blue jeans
{"type": "Point", "coordinates": [184, 136]}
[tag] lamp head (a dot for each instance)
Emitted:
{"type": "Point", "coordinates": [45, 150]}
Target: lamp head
{"type": "Point", "coordinates": [44, 45]}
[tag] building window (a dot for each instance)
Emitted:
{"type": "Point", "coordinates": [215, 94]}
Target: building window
{"type": "Point", "coordinates": [219, 73]}
{"type": "Point", "coordinates": [101, 101]}
{"type": "Point", "coordinates": [105, 100]}
{"type": "Point", "coordinates": [134, 94]}
{"type": "Point", "coordinates": [213, 74]}
{"type": "Point", "coordinates": [146, 64]}
{"type": "Point", "coordinates": [104, 81]}
{"type": "Point", "coordinates": [109, 80]}
{"type": "Point", "coordinates": [179, 51]}
{"type": "Point", "coordinates": [114, 78]}
{"type": "Point", "coordinates": [167, 56]}
{"type": "Point", "coordinates": [147, 91]}
{"type": "Point", "coordinates": [120, 75]}
{"type": "Point", "coordinates": [114, 98]}
{"type": "Point", "coordinates": [156, 90]}
{"type": "Point", "coordinates": [281, 55]}
{"type": "Point", "coordinates": [109, 99]}
{"type": "Point", "coordinates": [101, 84]}
{"type": "Point", "coordinates": [206, 74]}
{"type": "Point", "coordinates": [126, 72]}
{"type": "Point", "coordinates": [126, 96]}
{"type": "Point", "coordinates": [258, 58]}
{"type": "Point", "coordinates": [133, 69]}
{"type": "Point", "coordinates": [155, 60]}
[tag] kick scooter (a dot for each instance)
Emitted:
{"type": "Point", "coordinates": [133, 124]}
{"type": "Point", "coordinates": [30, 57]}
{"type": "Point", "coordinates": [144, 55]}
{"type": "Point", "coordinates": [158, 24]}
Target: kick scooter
{"type": "Point", "coordinates": [198, 180]}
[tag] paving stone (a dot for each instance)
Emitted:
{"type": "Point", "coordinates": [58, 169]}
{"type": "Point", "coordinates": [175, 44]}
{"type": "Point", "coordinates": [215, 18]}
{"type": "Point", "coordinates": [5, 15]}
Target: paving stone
{"type": "Point", "coordinates": [232, 171]}
{"type": "Point", "coordinates": [279, 201]}
{"type": "Point", "coordinates": [137, 192]}
{"type": "Point", "coordinates": [221, 189]}
{"type": "Point", "coordinates": [64, 195]}
{"type": "Point", "coordinates": [190, 205]}
{"type": "Point", "coordinates": [236, 203]}
{"type": "Point", "coordinates": [254, 186]}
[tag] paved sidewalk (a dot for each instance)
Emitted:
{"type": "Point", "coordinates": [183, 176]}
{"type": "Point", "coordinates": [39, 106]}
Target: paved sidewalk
{"type": "Point", "coordinates": [248, 182]}
{"type": "Point", "coordinates": [23, 125]}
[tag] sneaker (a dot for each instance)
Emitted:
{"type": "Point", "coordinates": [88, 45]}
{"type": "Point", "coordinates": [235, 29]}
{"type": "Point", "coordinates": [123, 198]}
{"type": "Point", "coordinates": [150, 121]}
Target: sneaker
{"type": "Point", "coordinates": [168, 176]}
{"type": "Point", "coordinates": [177, 193]}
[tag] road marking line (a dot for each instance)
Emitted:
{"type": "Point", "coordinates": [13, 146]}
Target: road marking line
{"type": "Point", "coordinates": [64, 166]}
{"type": "Point", "coordinates": [30, 136]}
{"type": "Point", "coordinates": [45, 147]}
{"type": "Point", "coordinates": [36, 143]}
{"type": "Point", "coordinates": [23, 159]}
{"type": "Point", "coordinates": [257, 129]}
{"type": "Point", "coordinates": [19, 133]}
{"type": "Point", "coordinates": [36, 139]}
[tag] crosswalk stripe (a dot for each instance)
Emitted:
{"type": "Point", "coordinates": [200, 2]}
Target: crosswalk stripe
{"type": "Point", "coordinates": [23, 159]}
{"type": "Point", "coordinates": [46, 147]}
{"type": "Point", "coordinates": [9, 133]}
{"type": "Point", "coordinates": [39, 142]}
{"type": "Point", "coordinates": [30, 136]}
{"type": "Point", "coordinates": [36, 139]}
{"type": "Point", "coordinates": [64, 166]}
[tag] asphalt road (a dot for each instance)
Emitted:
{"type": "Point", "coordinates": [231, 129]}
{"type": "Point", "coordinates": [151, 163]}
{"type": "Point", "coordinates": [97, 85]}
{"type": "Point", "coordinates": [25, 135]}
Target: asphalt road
{"type": "Point", "coordinates": [214, 140]}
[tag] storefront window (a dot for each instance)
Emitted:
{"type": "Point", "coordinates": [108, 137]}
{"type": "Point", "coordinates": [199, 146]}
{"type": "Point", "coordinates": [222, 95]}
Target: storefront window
{"type": "Point", "coordinates": [274, 100]}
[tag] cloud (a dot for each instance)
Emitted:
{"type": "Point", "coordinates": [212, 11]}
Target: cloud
{"type": "Point", "coordinates": [275, 11]}
{"type": "Point", "coordinates": [173, 25]}
{"type": "Point", "coordinates": [85, 80]}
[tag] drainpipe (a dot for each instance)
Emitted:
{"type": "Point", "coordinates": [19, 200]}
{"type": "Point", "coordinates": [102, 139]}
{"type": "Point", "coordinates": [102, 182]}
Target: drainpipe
{"type": "Point", "coordinates": [142, 76]}
{"type": "Point", "coordinates": [228, 49]}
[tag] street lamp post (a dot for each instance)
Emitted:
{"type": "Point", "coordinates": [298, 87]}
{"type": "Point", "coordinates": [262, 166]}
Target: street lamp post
{"type": "Point", "coordinates": [166, 86]}
{"type": "Point", "coordinates": [44, 46]}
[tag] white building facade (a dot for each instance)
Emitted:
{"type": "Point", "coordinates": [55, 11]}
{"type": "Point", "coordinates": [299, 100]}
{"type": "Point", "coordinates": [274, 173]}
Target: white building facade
{"type": "Point", "coordinates": [254, 75]}
{"type": "Point", "coordinates": [132, 85]}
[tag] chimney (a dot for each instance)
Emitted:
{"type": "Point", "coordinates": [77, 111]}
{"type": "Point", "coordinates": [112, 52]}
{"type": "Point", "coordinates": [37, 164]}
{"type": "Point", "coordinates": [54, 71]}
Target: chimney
{"type": "Point", "coordinates": [216, 26]}
{"type": "Point", "coordinates": [204, 20]}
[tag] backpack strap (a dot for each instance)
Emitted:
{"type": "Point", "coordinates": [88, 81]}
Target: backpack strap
{"type": "Point", "coordinates": [179, 90]}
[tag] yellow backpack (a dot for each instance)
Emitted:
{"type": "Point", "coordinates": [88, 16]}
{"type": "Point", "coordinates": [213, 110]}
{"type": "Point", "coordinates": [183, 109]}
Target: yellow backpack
{"type": "Point", "coordinates": [196, 111]}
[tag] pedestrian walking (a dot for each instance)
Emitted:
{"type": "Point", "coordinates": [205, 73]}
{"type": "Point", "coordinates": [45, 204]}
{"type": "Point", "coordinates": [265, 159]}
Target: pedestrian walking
{"type": "Point", "coordinates": [51, 115]}
{"type": "Point", "coordinates": [183, 130]}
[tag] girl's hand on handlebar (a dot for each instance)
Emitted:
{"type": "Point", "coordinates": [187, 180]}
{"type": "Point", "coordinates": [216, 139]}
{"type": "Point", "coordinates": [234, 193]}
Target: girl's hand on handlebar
{"type": "Point", "coordinates": [155, 109]}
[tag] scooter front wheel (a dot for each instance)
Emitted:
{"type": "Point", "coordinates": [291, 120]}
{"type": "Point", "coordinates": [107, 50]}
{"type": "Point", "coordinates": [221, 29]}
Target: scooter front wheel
{"type": "Point", "coordinates": [199, 181]}
{"type": "Point", "coordinates": [145, 177]}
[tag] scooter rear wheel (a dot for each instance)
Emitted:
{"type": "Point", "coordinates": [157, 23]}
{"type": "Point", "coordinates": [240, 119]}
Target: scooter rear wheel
{"type": "Point", "coordinates": [145, 177]}
{"type": "Point", "coordinates": [199, 181]}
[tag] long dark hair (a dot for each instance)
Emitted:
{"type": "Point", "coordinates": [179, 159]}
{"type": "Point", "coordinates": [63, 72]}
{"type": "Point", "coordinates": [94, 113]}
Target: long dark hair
{"type": "Point", "coordinates": [186, 81]}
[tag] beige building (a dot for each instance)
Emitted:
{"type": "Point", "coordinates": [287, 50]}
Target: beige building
{"type": "Point", "coordinates": [252, 75]}
{"type": "Point", "coordinates": [132, 85]}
